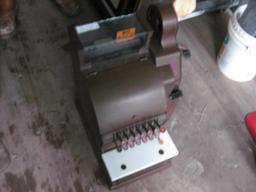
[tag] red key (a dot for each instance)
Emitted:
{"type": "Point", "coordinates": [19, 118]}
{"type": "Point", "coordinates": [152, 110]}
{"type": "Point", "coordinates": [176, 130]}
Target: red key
{"type": "Point", "coordinates": [162, 129]}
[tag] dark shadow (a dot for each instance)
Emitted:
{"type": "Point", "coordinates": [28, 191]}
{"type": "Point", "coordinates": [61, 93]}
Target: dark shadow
{"type": "Point", "coordinates": [101, 172]}
{"type": "Point", "coordinates": [219, 29]}
{"type": "Point", "coordinates": [89, 13]}
{"type": "Point", "coordinates": [252, 145]}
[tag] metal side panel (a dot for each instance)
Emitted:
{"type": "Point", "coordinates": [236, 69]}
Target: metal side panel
{"type": "Point", "coordinates": [126, 163]}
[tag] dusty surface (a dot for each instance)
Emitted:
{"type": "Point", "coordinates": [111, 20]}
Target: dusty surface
{"type": "Point", "coordinates": [47, 144]}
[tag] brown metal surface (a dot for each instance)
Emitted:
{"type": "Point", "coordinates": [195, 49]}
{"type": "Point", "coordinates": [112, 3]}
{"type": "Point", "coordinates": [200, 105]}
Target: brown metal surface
{"type": "Point", "coordinates": [117, 94]}
{"type": "Point", "coordinates": [128, 94]}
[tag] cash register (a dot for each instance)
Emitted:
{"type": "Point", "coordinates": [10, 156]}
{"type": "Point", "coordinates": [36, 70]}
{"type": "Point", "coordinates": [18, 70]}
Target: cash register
{"type": "Point", "coordinates": [127, 71]}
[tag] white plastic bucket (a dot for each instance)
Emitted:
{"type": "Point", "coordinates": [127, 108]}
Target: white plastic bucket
{"type": "Point", "coordinates": [237, 57]}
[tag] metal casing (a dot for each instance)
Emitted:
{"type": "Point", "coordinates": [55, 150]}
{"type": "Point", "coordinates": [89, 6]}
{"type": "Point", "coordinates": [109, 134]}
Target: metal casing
{"type": "Point", "coordinates": [129, 83]}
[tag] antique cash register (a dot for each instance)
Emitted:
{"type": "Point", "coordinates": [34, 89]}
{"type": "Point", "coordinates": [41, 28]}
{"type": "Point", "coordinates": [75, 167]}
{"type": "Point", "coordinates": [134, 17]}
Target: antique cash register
{"type": "Point", "coordinates": [127, 72]}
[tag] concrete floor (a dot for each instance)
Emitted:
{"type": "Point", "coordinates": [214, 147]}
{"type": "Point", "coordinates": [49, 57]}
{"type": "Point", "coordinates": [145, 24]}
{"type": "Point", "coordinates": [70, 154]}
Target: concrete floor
{"type": "Point", "coordinates": [43, 143]}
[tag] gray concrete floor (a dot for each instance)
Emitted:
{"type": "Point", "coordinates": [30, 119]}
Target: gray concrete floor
{"type": "Point", "coordinates": [46, 148]}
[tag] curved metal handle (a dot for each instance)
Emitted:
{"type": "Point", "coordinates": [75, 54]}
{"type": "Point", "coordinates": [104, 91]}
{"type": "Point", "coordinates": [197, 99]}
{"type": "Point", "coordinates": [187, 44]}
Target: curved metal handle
{"type": "Point", "coordinates": [163, 20]}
